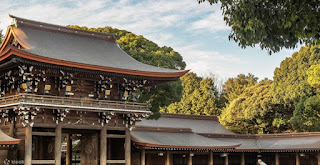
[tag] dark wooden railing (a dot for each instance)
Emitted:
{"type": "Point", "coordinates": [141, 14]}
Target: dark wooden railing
{"type": "Point", "coordinates": [69, 101]}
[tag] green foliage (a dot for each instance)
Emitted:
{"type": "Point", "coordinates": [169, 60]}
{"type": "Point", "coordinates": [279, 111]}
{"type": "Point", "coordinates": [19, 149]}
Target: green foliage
{"type": "Point", "coordinates": [272, 25]}
{"type": "Point", "coordinates": [290, 79]}
{"type": "Point", "coordinates": [234, 87]}
{"type": "Point", "coordinates": [252, 111]}
{"type": "Point", "coordinates": [199, 97]}
{"type": "Point", "coordinates": [314, 76]}
{"type": "Point", "coordinates": [150, 53]}
{"type": "Point", "coordinates": [306, 116]}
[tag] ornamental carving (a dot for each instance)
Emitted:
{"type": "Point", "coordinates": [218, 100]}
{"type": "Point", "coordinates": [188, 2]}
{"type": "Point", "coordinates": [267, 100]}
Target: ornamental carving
{"type": "Point", "coordinates": [26, 115]}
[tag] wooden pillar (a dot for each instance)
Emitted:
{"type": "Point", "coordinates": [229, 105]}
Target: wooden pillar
{"type": "Point", "coordinates": [190, 159]}
{"type": "Point", "coordinates": [243, 159]}
{"type": "Point", "coordinates": [143, 156]}
{"type": "Point", "coordinates": [210, 157]}
{"type": "Point", "coordinates": [28, 146]}
{"type": "Point", "coordinates": [318, 156]}
{"type": "Point", "coordinates": [226, 162]}
{"type": "Point", "coordinates": [69, 150]}
{"type": "Point", "coordinates": [297, 159]}
{"type": "Point", "coordinates": [167, 158]}
{"type": "Point", "coordinates": [128, 147]}
{"type": "Point", "coordinates": [277, 159]}
{"type": "Point", "coordinates": [57, 146]}
{"type": "Point", "coordinates": [103, 146]}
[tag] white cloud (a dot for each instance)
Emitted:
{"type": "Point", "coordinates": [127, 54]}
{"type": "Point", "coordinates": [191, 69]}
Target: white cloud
{"type": "Point", "coordinates": [213, 22]}
{"type": "Point", "coordinates": [206, 62]}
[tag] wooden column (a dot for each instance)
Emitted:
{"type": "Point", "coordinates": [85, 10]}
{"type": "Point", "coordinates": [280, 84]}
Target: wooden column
{"type": "Point", "coordinates": [226, 162]}
{"type": "Point", "coordinates": [243, 159]}
{"type": "Point", "coordinates": [190, 159]}
{"type": "Point", "coordinates": [28, 146]}
{"type": "Point", "coordinates": [128, 147]}
{"type": "Point", "coordinates": [57, 146]}
{"type": "Point", "coordinates": [167, 158]}
{"type": "Point", "coordinates": [103, 146]}
{"type": "Point", "coordinates": [210, 157]}
{"type": "Point", "coordinates": [297, 159]}
{"type": "Point", "coordinates": [69, 150]}
{"type": "Point", "coordinates": [143, 156]}
{"type": "Point", "coordinates": [277, 159]}
{"type": "Point", "coordinates": [318, 156]}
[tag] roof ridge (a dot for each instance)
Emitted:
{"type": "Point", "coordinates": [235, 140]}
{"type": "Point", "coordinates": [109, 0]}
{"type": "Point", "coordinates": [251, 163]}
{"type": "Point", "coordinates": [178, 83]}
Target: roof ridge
{"type": "Point", "coordinates": [61, 29]}
{"type": "Point", "coordinates": [190, 116]}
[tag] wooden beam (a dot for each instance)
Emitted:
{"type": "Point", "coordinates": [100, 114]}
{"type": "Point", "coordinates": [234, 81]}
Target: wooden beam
{"type": "Point", "coordinates": [243, 159]}
{"type": "Point", "coordinates": [43, 161]}
{"type": "Point", "coordinates": [143, 156]}
{"type": "Point", "coordinates": [28, 145]}
{"type": "Point", "coordinates": [210, 157]}
{"type": "Point", "coordinates": [69, 150]}
{"type": "Point", "coordinates": [116, 136]}
{"type": "Point", "coordinates": [103, 146]}
{"type": "Point", "coordinates": [128, 147]}
{"type": "Point", "coordinates": [43, 133]}
{"type": "Point", "coordinates": [57, 146]}
{"type": "Point", "coordinates": [277, 159]}
{"type": "Point", "coordinates": [116, 161]}
{"type": "Point", "coordinates": [190, 159]}
{"type": "Point", "coordinates": [226, 162]}
{"type": "Point", "coordinates": [167, 158]}
{"type": "Point", "coordinates": [297, 159]}
{"type": "Point", "coordinates": [318, 156]}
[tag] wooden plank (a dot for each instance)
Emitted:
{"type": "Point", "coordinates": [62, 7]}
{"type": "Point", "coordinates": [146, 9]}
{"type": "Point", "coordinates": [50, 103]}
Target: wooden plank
{"type": "Point", "coordinates": [116, 136]}
{"type": "Point", "coordinates": [43, 133]}
{"type": "Point", "coordinates": [43, 161]}
{"type": "Point", "coordinates": [116, 161]}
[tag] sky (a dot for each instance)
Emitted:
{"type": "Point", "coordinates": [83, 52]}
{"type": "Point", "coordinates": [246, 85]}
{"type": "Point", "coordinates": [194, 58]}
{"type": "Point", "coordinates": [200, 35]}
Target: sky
{"type": "Point", "coordinates": [196, 31]}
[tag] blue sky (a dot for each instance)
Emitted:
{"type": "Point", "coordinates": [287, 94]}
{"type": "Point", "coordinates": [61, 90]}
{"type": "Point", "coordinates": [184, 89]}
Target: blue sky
{"type": "Point", "coordinates": [196, 31]}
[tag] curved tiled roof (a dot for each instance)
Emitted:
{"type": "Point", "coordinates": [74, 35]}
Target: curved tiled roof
{"type": "Point", "coordinates": [81, 48]}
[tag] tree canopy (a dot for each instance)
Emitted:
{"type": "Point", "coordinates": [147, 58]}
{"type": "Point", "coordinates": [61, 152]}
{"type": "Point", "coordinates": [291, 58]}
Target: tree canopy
{"type": "Point", "coordinates": [251, 111]}
{"type": "Point", "coordinates": [290, 79]}
{"type": "Point", "coordinates": [199, 96]}
{"type": "Point", "coordinates": [272, 25]}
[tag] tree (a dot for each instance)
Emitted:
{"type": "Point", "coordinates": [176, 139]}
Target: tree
{"type": "Point", "coordinates": [272, 25]}
{"type": "Point", "coordinates": [199, 97]}
{"type": "Point", "coordinates": [314, 76]}
{"type": "Point", "coordinates": [306, 117]}
{"type": "Point", "coordinates": [252, 111]}
{"type": "Point", "coordinates": [150, 53]}
{"type": "Point", "coordinates": [234, 87]}
{"type": "Point", "coordinates": [290, 79]}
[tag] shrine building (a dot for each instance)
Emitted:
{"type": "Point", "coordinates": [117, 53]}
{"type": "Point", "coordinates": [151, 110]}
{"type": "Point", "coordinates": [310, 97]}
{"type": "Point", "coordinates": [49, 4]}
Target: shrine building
{"type": "Point", "coordinates": [67, 97]}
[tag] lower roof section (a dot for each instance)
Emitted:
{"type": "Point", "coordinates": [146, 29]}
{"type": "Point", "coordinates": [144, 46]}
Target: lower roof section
{"type": "Point", "coordinates": [275, 144]}
{"type": "Point", "coordinates": [178, 140]}
{"type": "Point", "coordinates": [7, 140]}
